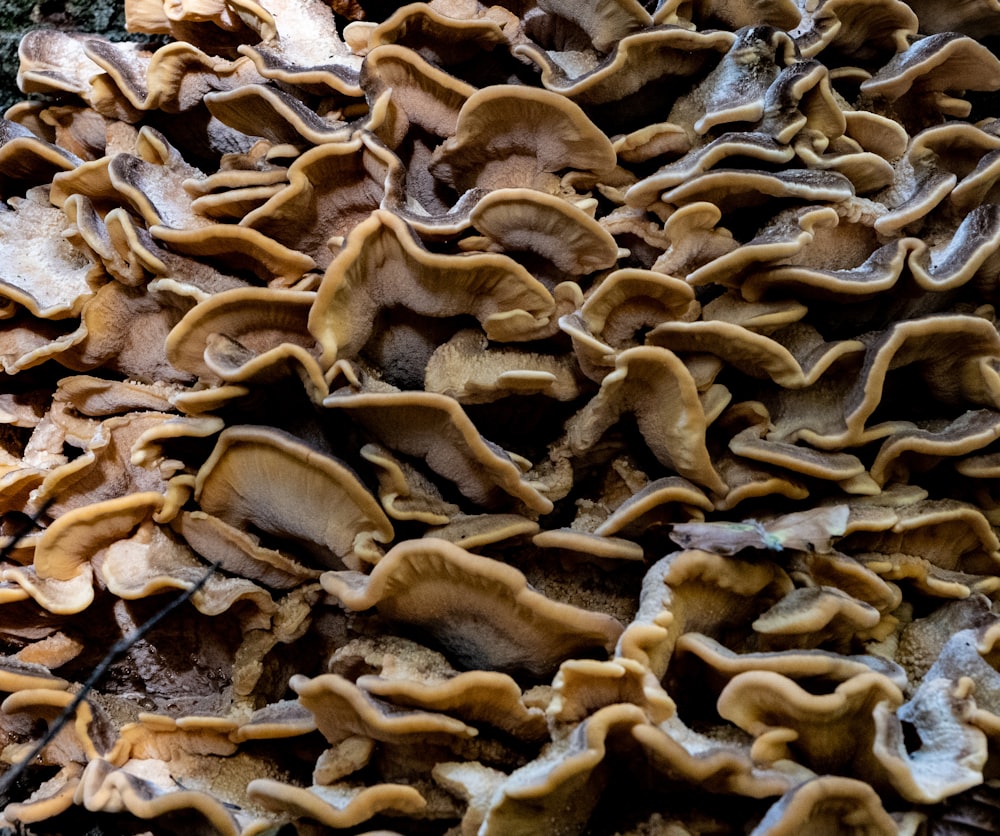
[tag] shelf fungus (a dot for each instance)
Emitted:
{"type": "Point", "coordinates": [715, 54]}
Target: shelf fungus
{"type": "Point", "coordinates": [485, 419]}
{"type": "Point", "coordinates": [496, 621]}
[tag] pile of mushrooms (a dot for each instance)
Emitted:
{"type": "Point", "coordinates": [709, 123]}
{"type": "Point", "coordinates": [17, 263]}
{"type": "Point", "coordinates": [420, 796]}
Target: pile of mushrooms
{"type": "Point", "coordinates": [590, 411]}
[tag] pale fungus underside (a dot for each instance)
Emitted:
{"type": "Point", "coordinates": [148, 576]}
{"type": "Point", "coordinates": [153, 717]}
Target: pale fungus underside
{"type": "Point", "coordinates": [590, 412]}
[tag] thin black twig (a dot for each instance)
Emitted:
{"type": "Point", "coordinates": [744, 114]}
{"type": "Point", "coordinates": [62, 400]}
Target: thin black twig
{"type": "Point", "coordinates": [29, 525]}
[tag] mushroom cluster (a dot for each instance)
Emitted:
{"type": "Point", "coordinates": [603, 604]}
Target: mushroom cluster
{"type": "Point", "coordinates": [590, 412]}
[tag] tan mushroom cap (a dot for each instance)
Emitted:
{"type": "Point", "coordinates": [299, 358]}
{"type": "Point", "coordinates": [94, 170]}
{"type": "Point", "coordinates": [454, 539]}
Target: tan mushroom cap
{"type": "Point", "coordinates": [17, 674]}
{"type": "Point", "coordinates": [278, 116]}
{"type": "Point", "coordinates": [241, 334]}
{"type": "Point", "coordinates": [417, 580]}
{"type": "Point", "coordinates": [868, 172]}
{"type": "Point", "coordinates": [630, 299]}
{"type": "Point", "coordinates": [952, 263]}
{"type": "Point", "coordinates": [876, 133]}
{"type": "Point", "coordinates": [546, 225]}
{"type": "Point", "coordinates": [971, 17]}
{"type": "Point", "coordinates": [263, 477]}
{"type": "Point", "coordinates": [635, 60]}
{"type": "Point", "coordinates": [98, 396]}
{"type": "Point", "coordinates": [109, 467]}
{"type": "Point", "coordinates": [405, 493]}
{"type": "Point", "coordinates": [146, 790]}
{"type": "Point", "coordinates": [473, 531]}
{"type": "Point", "coordinates": [214, 12]}
{"type": "Point", "coordinates": [239, 552]}
{"type": "Point", "coordinates": [331, 189]}
{"type": "Point", "coordinates": [546, 792]}
{"type": "Point", "coordinates": [861, 32]}
{"type": "Point", "coordinates": [835, 466]}
{"type": "Point", "coordinates": [26, 158]}
{"type": "Point", "coordinates": [801, 100]}
{"type": "Point", "coordinates": [604, 22]}
{"type": "Point", "coordinates": [137, 351]}
{"type": "Point", "coordinates": [238, 248]}
{"type": "Point", "coordinates": [658, 389]}
{"type": "Point", "coordinates": [300, 45]}
{"type": "Point", "coordinates": [828, 804]}
{"type": "Point", "coordinates": [280, 719]}
{"type": "Point", "coordinates": [827, 732]}
{"type": "Point", "coordinates": [53, 651]}
{"type": "Point", "coordinates": [732, 189]}
{"type": "Point", "coordinates": [469, 370]}
{"type": "Point", "coordinates": [820, 615]}
{"type": "Point", "coordinates": [52, 61]}
{"type": "Point", "coordinates": [51, 798]}
{"type": "Point", "coordinates": [43, 272]}
{"type": "Point", "coordinates": [743, 145]}
{"type": "Point", "coordinates": [127, 251]}
{"type": "Point", "coordinates": [151, 562]}
{"type": "Point", "coordinates": [439, 37]}
{"type": "Point", "coordinates": [793, 357]}
{"type": "Point", "coordinates": [734, 90]}
{"type": "Point", "coordinates": [694, 239]}
{"type": "Point", "coordinates": [148, 179]}
{"type": "Point", "coordinates": [419, 94]}
{"type": "Point", "coordinates": [808, 664]}
{"type": "Point", "coordinates": [436, 428]}
{"type": "Point", "coordinates": [696, 591]}
{"type": "Point", "coordinates": [81, 739]}
{"type": "Point", "coordinates": [174, 78]}
{"type": "Point", "coordinates": [342, 710]}
{"type": "Point", "coordinates": [952, 752]}
{"type": "Point", "coordinates": [336, 806]}
{"type": "Point", "coordinates": [954, 375]}
{"type": "Point", "coordinates": [589, 544]}
{"type": "Point", "coordinates": [532, 135]}
{"type": "Point", "coordinates": [655, 505]}
{"type": "Point", "coordinates": [383, 265]}
{"type": "Point", "coordinates": [976, 188]}
{"type": "Point", "coordinates": [937, 63]}
{"type": "Point", "coordinates": [973, 544]}
{"type": "Point", "coordinates": [879, 272]}
{"type": "Point", "coordinates": [652, 141]}
{"type": "Point", "coordinates": [712, 762]}
{"type": "Point", "coordinates": [232, 194]}
{"type": "Point", "coordinates": [919, 448]}
{"type": "Point", "coordinates": [584, 686]}
{"type": "Point", "coordinates": [788, 233]}
{"type": "Point", "coordinates": [61, 575]}
{"type": "Point", "coordinates": [475, 696]}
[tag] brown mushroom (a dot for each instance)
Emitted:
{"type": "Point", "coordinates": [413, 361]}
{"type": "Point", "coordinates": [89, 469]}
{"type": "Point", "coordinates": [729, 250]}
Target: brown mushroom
{"type": "Point", "coordinates": [653, 384]}
{"type": "Point", "coordinates": [436, 429]}
{"type": "Point", "coordinates": [248, 482]}
{"type": "Point", "coordinates": [508, 301]}
{"type": "Point", "coordinates": [559, 136]}
{"type": "Point", "coordinates": [828, 803]}
{"type": "Point", "coordinates": [524, 629]}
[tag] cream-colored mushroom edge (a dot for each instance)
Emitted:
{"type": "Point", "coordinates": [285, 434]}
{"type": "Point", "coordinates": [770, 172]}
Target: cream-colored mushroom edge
{"type": "Point", "coordinates": [590, 410]}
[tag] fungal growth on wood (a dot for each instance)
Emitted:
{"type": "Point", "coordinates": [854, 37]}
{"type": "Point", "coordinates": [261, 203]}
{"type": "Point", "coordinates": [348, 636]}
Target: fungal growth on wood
{"type": "Point", "coordinates": [556, 416]}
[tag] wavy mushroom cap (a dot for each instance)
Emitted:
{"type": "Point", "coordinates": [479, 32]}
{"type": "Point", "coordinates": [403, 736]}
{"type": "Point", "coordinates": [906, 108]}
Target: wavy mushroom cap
{"type": "Point", "coordinates": [514, 136]}
{"type": "Point", "coordinates": [253, 476]}
{"type": "Point", "coordinates": [524, 631]}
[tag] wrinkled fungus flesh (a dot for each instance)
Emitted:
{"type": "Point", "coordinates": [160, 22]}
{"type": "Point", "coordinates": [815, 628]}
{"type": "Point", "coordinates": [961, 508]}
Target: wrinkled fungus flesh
{"type": "Point", "coordinates": [590, 410]}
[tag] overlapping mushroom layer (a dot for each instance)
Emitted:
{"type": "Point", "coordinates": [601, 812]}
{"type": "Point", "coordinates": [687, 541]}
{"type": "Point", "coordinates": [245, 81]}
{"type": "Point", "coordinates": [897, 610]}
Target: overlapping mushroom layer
{"type": "Point", "coordinates": [570, 396]}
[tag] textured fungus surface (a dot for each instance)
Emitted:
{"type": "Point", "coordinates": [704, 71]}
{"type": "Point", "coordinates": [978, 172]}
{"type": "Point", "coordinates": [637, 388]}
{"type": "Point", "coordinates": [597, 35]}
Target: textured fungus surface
{"type": "Point", "coordinates": [590, 409]}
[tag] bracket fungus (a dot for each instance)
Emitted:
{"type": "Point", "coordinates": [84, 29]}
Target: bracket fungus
{"type": "Point", "coordinates": [577, 415]}
{"type": "Point", "coordinates": [495, 622]}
